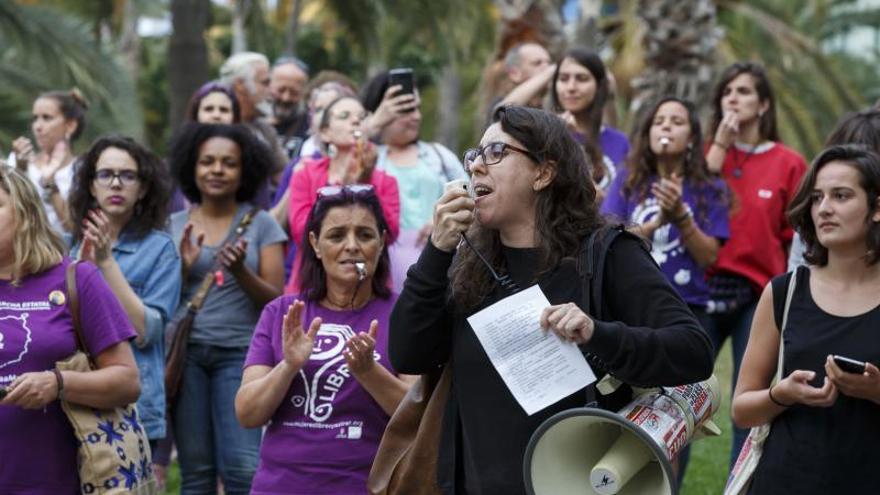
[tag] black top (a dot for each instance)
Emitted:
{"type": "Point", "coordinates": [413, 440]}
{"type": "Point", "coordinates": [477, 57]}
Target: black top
{"type": "Point", "coordinates": [822, 449]}
{"type": "Point", "coordinates": [654, 341]}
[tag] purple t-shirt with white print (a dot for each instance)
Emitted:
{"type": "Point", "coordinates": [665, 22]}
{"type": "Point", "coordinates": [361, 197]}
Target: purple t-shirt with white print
{"type": "Point", "coordinates": [324, 436]}
{"type": "Point", "coordinates": [680, 268]}
{"type": "Point", "coordinates": [36, 331]}
{"type": "Point", "coordinates": [615, 147]}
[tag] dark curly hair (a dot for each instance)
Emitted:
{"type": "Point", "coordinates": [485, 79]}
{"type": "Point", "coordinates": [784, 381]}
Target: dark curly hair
{"type": "Point", "coordinates": [313, 277]}
{"type": "Point", "coordinates": [592, 114]}
{"type": "Point", "coordinates": [566, 210]}
{"type": "Point", "coordinates": [642, 162]}
{"type": "Point", "coordinates": [151, 212]}
{"type": "Point", "coordinates": [256, 158]}
{"type": "Point", "coordinates": [867, 162]}
{"type": "Point", "coordinates": [767, 126]}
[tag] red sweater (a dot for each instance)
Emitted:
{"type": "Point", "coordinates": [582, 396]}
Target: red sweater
{"type": "Point", "coordinates": [763, 183]}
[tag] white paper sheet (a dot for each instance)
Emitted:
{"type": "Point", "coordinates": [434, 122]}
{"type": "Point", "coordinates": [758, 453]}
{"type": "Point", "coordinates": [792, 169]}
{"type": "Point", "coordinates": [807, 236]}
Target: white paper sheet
{"type": "Point", "coordinates": [539, 368]}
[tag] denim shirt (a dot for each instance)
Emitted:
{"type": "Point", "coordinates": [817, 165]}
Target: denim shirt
{"type": "Point", "coordinates": [151, 265]}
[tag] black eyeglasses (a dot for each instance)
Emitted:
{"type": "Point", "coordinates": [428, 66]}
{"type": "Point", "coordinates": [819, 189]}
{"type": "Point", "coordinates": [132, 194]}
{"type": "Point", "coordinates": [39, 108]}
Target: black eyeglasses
{"type": "Point", "coordinates": [355, 190]}
{"type": "Point", "coordinates": [492, 154]}
{"type": "Point", "coordinates": [104, 177]}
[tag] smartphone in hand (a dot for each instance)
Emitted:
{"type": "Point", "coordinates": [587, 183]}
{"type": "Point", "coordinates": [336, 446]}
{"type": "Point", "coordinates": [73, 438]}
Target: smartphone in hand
{"type": "Point", "coordinates": [849, 365]}
{"type": "Point", "coordinates": [402, 77]}
{"type": "Point", "coordinates": [3, 392]}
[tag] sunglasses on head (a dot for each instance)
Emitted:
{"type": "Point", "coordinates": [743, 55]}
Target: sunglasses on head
{"type": "Point", "coordinates": [355, 190]}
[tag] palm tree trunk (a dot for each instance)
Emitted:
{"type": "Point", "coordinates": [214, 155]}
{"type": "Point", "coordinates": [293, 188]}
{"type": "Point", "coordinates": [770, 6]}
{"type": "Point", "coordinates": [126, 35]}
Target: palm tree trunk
{"type": "Point", "coordinates": [449, 97]}
{"type": "Point", "coordinates": [187, 53]}
{"type": "Point", "coordinates": [240, 9]}
{"type": "Point", "coordinates": [293, 27]}
{"type": "Point", "coordinates": [129, 41]}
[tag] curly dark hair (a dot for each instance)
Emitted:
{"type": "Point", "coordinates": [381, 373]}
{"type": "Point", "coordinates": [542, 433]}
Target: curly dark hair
{"type": "Point", "coordinates": [566, 210]}
{"type": "Point", "coordinates": [256, 158]}
{"type": "Point", "coordinates": [641, 162]}
{"type": "Point", "coordinates": [594, 111]}
{"type": "Point", "coordinates": [867, 162]}
{"type": "Point", "coordinates": [151, 212]}
{"type": "Point", "coordinates": [767, 126]}
{"type": "Point", "coordinates": [313, 277]}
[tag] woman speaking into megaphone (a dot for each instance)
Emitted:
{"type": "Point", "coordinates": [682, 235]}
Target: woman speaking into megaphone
{"type": "Point", "coordinates": [529, 207]}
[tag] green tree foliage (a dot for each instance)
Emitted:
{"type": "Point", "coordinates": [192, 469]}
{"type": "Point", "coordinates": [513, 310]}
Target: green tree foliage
{"type": "Point", "coordinates": [45, 49]}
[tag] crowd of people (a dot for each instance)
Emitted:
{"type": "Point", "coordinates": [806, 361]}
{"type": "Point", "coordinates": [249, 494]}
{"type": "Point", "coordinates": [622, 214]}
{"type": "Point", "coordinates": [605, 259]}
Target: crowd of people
{"type": "Point", "coordinates": [305, 228]}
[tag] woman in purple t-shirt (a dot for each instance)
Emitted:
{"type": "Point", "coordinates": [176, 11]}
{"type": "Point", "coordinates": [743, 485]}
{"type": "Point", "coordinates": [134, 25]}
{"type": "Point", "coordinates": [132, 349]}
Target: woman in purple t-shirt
{"type": "Point", "coordinates": [322, 384]}
{"type": "Point", "coordinates": [36, 331]}
{"type": "Point", "coordinates": [581, 88]}
{"type": "Point", "coordinates": [668, 196]}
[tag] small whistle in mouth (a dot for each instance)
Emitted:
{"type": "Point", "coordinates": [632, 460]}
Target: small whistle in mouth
{"type": "Point", "coordinates": [664, 141]}
{"type": "Point", "coordinates": [362, 270]}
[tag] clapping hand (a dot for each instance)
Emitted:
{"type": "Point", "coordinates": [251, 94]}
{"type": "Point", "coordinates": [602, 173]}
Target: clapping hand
{"type": "Point", "coordinates": [668, 192]}
{"type": "Point", "coordinates": [96, 246]}
{"type": "Point", "coordinates": [359, 350]}
{"type": "Point", "coordinates": [189, 250]}
{"type": "Point", "coordinates": [298, 344]}
{"type": "Point", "coordinates": [232, 256]}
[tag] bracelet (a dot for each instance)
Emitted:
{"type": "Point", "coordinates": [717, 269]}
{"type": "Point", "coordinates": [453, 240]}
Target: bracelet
{"type": "Point", "coordinates": [773, 400]}
{"type": "Point", "coordinates": [60, 380]}
{"type": "Point", "coordinates": [716, 143]}
{"type": "Point", "coordinates": [685, 216]}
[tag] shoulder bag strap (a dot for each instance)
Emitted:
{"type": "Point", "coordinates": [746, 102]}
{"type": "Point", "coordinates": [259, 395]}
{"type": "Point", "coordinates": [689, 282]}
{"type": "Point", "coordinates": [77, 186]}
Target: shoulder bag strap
{"type": "Point", "coordinates": [199, 297]}
{"type": "Point", "coordinates": [73, 306]}
{"type": "Point", "coordinates": [442, 161]}
{"type": "Point", "coordinates": [792, 283]}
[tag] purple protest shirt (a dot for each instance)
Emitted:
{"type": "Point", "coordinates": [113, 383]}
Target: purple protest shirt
{"type": "Point", "coordinates": [615, 147]}
{"type": "Point", "coordinates": [36, 331]}
{"type": "Point", "coordinates": [323, 437]}
{"type": "Point", "coordinates": [710, 212]}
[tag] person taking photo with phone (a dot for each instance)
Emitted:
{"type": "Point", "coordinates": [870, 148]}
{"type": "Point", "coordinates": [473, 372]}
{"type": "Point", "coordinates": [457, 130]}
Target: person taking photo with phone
{"type": "Point", "coordinates": [824, 426]}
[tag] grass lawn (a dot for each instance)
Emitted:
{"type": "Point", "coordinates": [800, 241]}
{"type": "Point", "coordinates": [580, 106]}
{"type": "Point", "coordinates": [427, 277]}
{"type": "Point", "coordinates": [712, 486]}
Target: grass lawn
{"type": "Point", "coordinates": [707, 471]}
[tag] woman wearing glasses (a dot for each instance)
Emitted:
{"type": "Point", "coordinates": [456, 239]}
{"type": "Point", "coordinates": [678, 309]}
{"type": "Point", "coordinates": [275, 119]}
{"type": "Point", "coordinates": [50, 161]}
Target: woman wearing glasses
{"type": "Point", "coordinates": [350, 159]}
{"type": "Point", "coordinates": [219, 168]}
{"type": "Point", "coordinates": [120, 192]}
{"type": "Point", "coordinates": [533, 209]}
{"type": "Point", "coordinates": [317, 370]}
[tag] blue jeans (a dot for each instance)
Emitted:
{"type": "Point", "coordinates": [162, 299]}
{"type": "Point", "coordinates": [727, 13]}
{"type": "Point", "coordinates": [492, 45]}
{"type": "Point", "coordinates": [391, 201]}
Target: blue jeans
{"type": "Point", "coordinates": [209, 439]}
{"type": "Point", "coordinates": [737, 325]}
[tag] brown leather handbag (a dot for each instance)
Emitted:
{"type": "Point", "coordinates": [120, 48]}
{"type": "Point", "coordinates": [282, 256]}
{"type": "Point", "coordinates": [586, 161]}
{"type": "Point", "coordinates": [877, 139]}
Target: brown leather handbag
{"type": "Point", "coordinates": [406, 462]}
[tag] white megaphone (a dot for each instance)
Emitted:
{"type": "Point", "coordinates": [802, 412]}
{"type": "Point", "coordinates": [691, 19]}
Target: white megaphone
{"type": "Point", "coordinates": [595, 452]}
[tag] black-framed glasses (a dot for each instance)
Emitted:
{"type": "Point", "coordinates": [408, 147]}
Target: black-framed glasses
{"type": "Point", "coordinates": [104, 177]}
{"type": "Point", "coordinates": [355, 190]}
{"type": "Point", "coordinates": [493, 153]}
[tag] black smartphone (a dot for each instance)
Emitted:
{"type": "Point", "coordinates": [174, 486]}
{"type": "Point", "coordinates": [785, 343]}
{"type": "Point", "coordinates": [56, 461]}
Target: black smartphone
{"type": "Point", "coordinates": [3, 392]}
{"type": "Point", "coordinates": [402, 77]}
{"type": "Point", "coordinates": [849, 365]}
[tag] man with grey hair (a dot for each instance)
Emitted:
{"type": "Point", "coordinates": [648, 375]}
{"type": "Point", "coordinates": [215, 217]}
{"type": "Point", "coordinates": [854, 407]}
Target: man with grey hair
{"type": "Point", "coordinates": [529, 69]}
{"type": "Point", "coordinates": [289, 116]}
{"type": "Point", "coordinates": [247, 73]}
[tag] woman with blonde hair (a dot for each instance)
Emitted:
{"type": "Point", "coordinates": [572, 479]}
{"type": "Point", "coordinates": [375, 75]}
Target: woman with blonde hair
{"type": "Point", "coordinates": [37, 332]}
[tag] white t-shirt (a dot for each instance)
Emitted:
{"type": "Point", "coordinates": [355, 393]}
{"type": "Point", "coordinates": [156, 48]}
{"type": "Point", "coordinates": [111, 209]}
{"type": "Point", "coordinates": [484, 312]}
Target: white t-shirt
{"type": "Point", "coordinates": [64, 181]}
